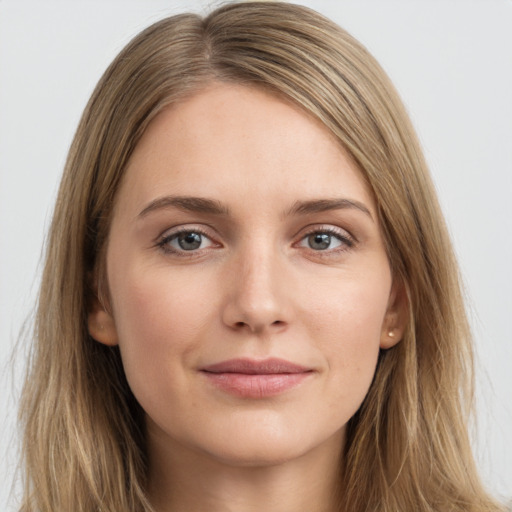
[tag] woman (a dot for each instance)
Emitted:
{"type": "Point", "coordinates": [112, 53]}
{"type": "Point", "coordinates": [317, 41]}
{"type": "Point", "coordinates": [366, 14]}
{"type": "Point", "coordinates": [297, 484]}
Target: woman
{"type": "Point", "coordinates": [249, 299]}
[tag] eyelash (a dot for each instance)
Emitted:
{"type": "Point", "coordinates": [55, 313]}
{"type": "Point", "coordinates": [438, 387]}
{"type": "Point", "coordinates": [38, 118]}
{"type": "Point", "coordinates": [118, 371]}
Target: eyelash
{"type": "Point", "coordinates": [163, 244]}
{"type": "Point", "coordinates": [346, 240]}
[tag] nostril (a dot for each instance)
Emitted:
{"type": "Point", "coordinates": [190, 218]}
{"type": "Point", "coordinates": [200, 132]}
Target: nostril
{"type": "Point", "coordinates": [257, 327]}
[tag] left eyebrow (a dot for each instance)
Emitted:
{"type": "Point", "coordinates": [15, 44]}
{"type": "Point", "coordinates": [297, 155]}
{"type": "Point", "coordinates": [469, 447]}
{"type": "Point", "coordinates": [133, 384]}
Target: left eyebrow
{"type": "Point", "coordinates": [186, 203]}
{"type": "Point", "coordinates": [323, 205]}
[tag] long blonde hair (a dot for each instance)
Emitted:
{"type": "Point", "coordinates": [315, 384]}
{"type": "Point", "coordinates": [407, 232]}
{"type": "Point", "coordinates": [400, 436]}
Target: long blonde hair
{"type": "Point", "coordinates": [84, 436]}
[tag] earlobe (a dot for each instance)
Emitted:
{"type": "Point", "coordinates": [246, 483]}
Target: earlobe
{"type": "Point", "coordinates": [395, 321]}
{"type": "Point", "coordinates": [101, 324]}
{"type": "Point", "coordinates": [390, 338]}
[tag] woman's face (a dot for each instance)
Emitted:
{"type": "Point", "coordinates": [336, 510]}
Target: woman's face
{"type": "Point", "coordinates": [249, 285]}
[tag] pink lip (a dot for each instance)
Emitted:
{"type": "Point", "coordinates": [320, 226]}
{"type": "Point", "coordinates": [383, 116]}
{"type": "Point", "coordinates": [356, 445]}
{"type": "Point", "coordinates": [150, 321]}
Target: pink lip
{"type": "Point", "coordinates": [256, 379]}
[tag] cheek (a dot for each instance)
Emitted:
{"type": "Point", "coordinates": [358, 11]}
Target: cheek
{"type": "Point", "coordinates": [350, 308]}
{"type": "Point", "coordinates": [347, 325]}
{"type": "Point", "coordinates": [146, 313]}
{"type": "Point", "coordinates": [159, 324]}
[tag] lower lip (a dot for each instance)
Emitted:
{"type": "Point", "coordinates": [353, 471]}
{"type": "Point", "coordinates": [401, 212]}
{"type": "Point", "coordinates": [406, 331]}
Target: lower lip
{"type": "Point", "coordinates": [256, 386]}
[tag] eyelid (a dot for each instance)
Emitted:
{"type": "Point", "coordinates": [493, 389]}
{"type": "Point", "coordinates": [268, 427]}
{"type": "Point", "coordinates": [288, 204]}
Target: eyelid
{"type": "Point", "coordinates": [162, 240]}
{"type": "Point", "coordinates": [346, 238]}
{"type": "Point", "coordinates": [182, 228]}
{"type": "Point", "coordinates": [326, 228]}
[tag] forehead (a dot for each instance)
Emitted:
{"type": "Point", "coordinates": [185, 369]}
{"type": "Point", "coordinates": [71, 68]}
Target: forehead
{"type": "Point", "coordinates": [229, 141]}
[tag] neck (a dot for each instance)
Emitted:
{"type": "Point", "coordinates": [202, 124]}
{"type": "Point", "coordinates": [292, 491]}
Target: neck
{"type": "Point", "coordinates": [182, 479]}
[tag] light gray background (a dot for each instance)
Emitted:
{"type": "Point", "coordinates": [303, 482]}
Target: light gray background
{"type": "Point", "coordinates": [451, 61]}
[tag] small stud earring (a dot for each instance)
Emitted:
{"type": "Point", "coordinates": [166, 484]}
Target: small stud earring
{"type": "Point", "coordinates": [391, 334]}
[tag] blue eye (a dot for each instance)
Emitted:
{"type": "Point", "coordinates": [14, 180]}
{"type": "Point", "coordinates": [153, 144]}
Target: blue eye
{"type": "Point", "coordinates": [324, 240]}
{"type": "Point", "coordinates": [320, 241]}
{"type": "Point", "coordinates": [189, 241]}
{"type": "Point", "coordinates": [185, 241]}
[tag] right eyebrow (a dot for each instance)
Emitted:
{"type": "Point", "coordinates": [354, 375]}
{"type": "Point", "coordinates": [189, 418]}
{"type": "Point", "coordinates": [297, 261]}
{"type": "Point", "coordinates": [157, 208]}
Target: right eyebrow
{"type": "Point", "coordinates": [186, 203]}
{"type": "Point", "coordinates": [323, 205]}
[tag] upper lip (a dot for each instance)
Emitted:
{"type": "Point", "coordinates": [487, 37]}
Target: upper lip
{"type": "Point", "coordinates": [254, 367]}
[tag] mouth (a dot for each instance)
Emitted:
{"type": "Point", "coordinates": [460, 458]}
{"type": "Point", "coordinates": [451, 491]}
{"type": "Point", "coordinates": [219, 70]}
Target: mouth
{"type": "Point", "coordinates": [248, 378]}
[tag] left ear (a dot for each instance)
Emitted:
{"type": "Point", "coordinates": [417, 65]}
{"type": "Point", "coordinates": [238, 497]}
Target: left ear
{"type": "Point", "coordinates": [100, 321]}
{"type": "Point", "coordinates": [101, 325]}
{"type": "Point", "coordinates": [395, 320]}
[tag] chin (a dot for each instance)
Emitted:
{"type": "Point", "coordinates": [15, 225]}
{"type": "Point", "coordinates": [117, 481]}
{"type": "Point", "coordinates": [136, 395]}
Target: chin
{"type": "Point", "coordinates": [257, 455]}
{"type": "Point", "coordinates": [271, 447]}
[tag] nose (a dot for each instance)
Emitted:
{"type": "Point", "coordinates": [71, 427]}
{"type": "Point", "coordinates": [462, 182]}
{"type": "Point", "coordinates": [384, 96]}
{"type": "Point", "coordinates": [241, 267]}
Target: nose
{"type": "Point", "coordinates": [257, 300]}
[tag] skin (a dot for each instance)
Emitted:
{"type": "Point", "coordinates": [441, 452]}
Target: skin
{"type": "Point", "coordinates": [255, 288]}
